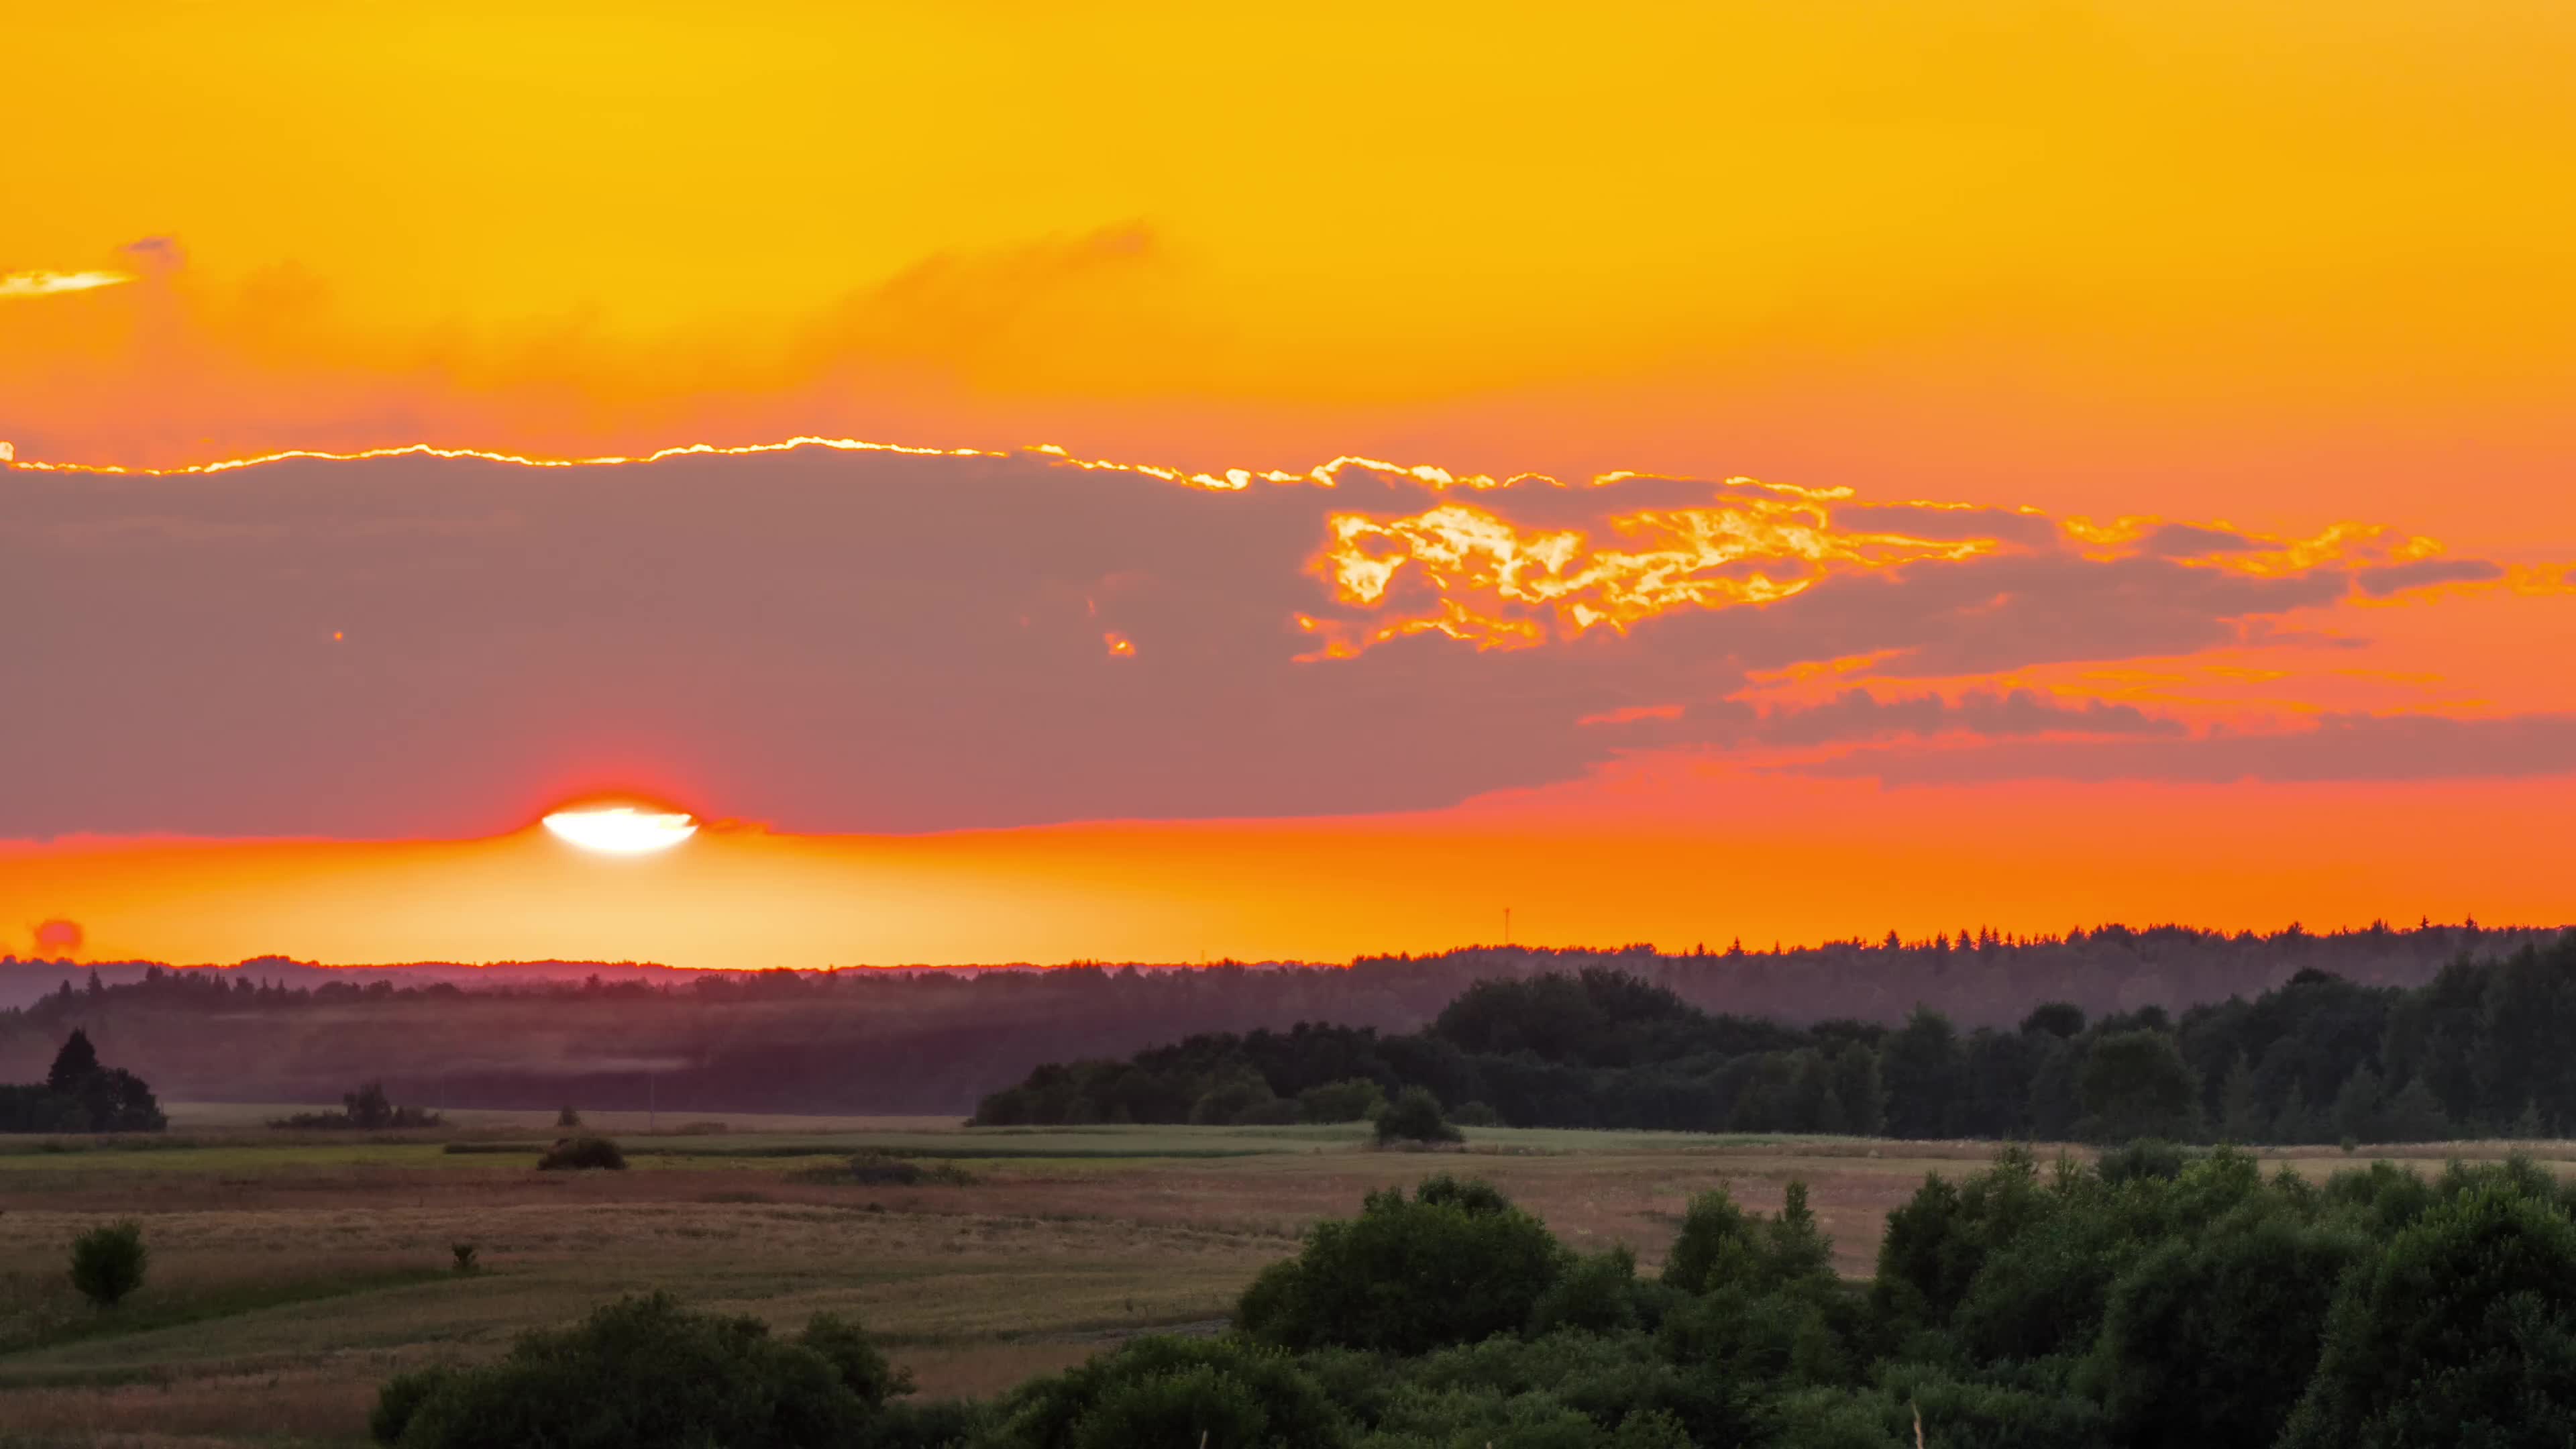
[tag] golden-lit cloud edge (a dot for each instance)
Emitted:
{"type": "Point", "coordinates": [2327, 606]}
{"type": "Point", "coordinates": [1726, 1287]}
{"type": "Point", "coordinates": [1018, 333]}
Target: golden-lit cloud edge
{"type": "Point", "coordinates": [16, 285]}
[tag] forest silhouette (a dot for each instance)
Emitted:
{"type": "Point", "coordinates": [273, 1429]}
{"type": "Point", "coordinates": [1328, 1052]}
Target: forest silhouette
{"type": "Point", "coordinates": [2288, 1036]}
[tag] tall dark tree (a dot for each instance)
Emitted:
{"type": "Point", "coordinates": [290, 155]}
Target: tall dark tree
{"type": "Point", "coordinates": [2136, 1084]}
{"type": "Point", "coordinates": [76, 1063]}
{"type": "Point", "coordinates": [1926, 1074]}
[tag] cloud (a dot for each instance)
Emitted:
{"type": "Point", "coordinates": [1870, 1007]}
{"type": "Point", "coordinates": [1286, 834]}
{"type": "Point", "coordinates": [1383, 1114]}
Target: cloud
{"type": "Point", "coordinates": [158, 253]}
{"type": "Point", "coordinates": [2184, 540]}
{"type": "Point", "coordinates": [1858, 715]}
{"type": "Point", "coordinates": [55, 284]}
{"type": "Point", "coordinates": [838, 639]}
{"type": "Point", "coordinates": [2348, 747]}
{"type": "Point", "coordinates": [2390, 579]}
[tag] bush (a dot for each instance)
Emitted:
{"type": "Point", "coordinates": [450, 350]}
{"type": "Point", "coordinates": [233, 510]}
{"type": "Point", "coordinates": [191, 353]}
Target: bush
{"type": "Point", "coordinates": [1597, 1294]}
{"type": "Point", "coordinates": [1716, 1243]}
{"type": "Point", "coordinates": [2458, 1332]}
{"type": "Point", "coordinates": [645, 1373]}
{"type": "Point", "coordinates": [1232, 1096]}
{"type": "Point", "coordinates": [400, 1400]}
{"type": "Point", "coordinates": [2208, 1340]}
{"type": "Point", "coordinates": [567, 1118]}
{"type": "Point", "coordinates": [1354, 1099]}
{"type": "Point", "coordinates": [1158, 1391]}
{"type": "Point", "coordinates": [464, 1254]}
{"type": "Point", "coordinates": [108, 1262]}
{"type": "Point", "coordinates": [582, 1153]}
{"type": "Point", "coordinates": [2148, 1157]}
{"type": "Point", "coordinates": [368, 1109]}
{"type": "Point", "coordinates": [1476, 1114]}
{"type": "Point", "coordinates": [879, 1169]}
{"type": "Point", "coordinates": [1455, 1264]}
{"type": "Point", "coordinates": [1414, 1116]}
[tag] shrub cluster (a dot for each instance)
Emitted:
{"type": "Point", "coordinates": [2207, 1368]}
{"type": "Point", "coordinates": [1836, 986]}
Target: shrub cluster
{"type": "Point", "coordinates": [2161, 1298]}
{"type": "Point", "coordinates": [582, 1152]}
{"type": "Point", "coordinates": [368, 1109]}
{"type": "Point", "coordinates": [645, 1373]}
{"type": "Point", "coordinates": [880, 1169]}
{"type": "Point", "coordinates": [80, 1094]}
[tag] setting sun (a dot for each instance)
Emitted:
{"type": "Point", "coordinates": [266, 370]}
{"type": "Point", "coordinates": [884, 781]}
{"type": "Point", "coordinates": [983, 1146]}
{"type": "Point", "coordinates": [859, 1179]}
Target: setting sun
{"type": "Point", "coordinates": [621, 829]}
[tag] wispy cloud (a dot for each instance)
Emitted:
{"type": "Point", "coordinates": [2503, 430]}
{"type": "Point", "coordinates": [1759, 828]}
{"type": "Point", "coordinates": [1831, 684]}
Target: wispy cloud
{"type": "Point", "coordinates": [55, 284]}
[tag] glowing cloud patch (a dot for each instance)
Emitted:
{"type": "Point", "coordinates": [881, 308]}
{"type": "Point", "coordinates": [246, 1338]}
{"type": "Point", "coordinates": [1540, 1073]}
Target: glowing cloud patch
{"type": "Point", "coordinates": [1494, 583]}
{"type": "Point", "coordinates": [50, 284]}
{"type": "Point", "coordinates": [621, 829]}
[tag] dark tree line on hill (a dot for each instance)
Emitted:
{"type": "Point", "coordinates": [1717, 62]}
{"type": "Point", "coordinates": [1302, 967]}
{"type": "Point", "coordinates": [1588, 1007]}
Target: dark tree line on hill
{"type": "Point", "coordinates": [2480, 1050]}
{"type": "Point", "coordinates": [79, 1094]}
{"type": "Point", "coordinates": [936, 1041]}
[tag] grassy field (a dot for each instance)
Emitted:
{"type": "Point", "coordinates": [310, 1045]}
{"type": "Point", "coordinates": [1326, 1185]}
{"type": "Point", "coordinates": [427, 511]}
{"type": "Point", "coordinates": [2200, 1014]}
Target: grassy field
{"type": "Point", "coordinates": [292, 1272]}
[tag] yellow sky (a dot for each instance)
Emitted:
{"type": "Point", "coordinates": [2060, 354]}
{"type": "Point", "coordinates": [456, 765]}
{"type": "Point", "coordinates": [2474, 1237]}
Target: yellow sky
{"type": "Point", "coordinates": [2285, 266]}
{"type": "Point", "coordinates": [1247, 237]}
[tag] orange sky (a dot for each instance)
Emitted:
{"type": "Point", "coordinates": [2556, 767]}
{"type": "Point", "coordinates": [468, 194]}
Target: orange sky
{"type": "Point", "coordinates": [2282, 268]}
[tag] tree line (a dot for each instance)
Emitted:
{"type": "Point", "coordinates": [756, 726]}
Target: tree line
{"type": "Point", "coordinates": [937, 1041]}
{"type": "Point", "coordinates": [2150, 1300]}
{"type": "Point", "coordinates": [2477, 1051]}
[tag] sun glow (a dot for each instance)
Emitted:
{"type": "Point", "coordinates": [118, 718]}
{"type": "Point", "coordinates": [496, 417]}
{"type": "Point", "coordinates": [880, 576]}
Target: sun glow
{"type": "Point", "coordinates": [621, 829]}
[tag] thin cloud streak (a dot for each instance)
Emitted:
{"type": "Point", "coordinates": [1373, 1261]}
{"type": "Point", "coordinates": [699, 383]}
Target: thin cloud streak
{"type": "Point", "coordinates": [55, 284]}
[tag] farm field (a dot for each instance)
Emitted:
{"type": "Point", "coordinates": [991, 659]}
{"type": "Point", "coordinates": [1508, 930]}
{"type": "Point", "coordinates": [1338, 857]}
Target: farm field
{"type": "Point", "coordinates": [292, 1272]}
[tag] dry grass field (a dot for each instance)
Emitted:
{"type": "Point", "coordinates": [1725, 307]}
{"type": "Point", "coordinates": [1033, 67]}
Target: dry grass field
{"type": "Point", "coordinates": [292, 1272]}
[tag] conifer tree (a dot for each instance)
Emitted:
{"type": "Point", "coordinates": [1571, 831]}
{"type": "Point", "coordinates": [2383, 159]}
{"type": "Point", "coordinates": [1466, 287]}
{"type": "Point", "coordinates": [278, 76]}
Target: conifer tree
{"type": "Point", "coordinates": [76, 1063]}
{"type": "Point", "coordinates": [2240, 1111]}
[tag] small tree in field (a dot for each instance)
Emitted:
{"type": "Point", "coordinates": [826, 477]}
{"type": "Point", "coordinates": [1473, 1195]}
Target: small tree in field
{"type": "Point", "coordinates": [1414, 1116]}
{"type": "Point", "coordinates": [107, 1263]}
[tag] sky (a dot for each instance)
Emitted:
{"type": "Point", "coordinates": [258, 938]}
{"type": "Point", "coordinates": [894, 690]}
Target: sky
{"type": "Point", "coordinates": [1280, 485]}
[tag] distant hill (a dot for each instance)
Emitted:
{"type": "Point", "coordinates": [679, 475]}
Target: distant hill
{"type": "Point", "coordinates": [599, 1034]}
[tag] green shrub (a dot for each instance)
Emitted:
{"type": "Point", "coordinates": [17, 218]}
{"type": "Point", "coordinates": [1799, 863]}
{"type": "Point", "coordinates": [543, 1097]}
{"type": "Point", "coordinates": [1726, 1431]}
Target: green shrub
{"type": "Point", "coordinates": [567, 1118]}
{"type": "Point", "coordinates": [645, 1373]}
{"type": "Point", "coordinates": [464, 1254]}
{"type": "Point", "coordinates": [1454, 1264]}
{"type": "Point", "coordinates": [2462, 1330]}
{"type": "Point", "coordinates": [400, 1399]}
{"type": "Point", "coordinates": [2147, 1157]}
{"type": "Point", "coordinates": [1476, 1114]}
{"type": "Point", "coordinates": [1354, 1099]}
{"type": "Point", "coordinates": [881, 1169]}
{"type": "Point", "coordinates": [2209, 1339]}
{"type": "Point", "coordinates": [1233, 1095]}
{"type": "Point", "coordinates": [108, 1262]}
{"type": "Point", "coordinates": [1716, 1243]}
{"type": "Point", "coordinates": [1597, 1294]}
{"type": "Point", "coordinates": [1155, 1391]}
{"type": "Point", "coordinates": [855, 1357]}
{"type": "Point", "coordinates": [1414, 1116]}
{"type": "Point", "coordinates": [582, 1153]}
{"type": "Point", "coordinates": [368, 1109]}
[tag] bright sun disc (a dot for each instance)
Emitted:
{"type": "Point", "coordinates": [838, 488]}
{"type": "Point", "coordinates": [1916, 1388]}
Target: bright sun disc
{"type": "Point", "coordinates": [621, 829]}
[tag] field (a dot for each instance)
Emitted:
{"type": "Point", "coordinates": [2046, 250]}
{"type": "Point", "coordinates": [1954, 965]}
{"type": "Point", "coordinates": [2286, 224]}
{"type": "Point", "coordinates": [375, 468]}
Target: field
{"type": "Point", "coordinates": [292, 1272]}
